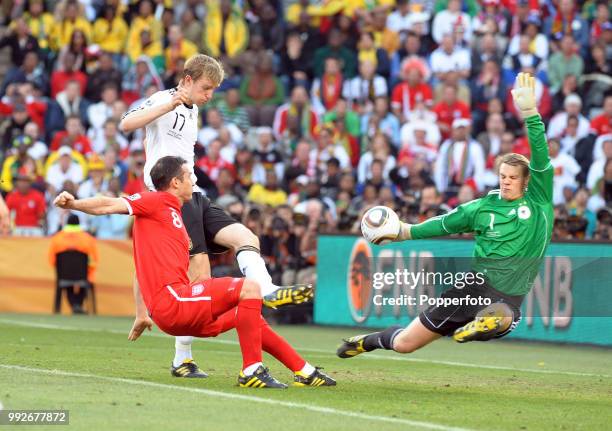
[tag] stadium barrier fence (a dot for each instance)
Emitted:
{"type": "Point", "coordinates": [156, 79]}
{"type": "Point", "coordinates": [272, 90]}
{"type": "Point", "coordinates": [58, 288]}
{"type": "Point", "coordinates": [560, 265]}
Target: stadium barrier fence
{"type": "Point", "coordinates": [571, 301]}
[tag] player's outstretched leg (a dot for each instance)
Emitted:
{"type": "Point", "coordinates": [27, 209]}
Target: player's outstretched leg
{"type": "Point", "coordinates": [248, 326]}
{"type": "Point", "coordinates": [304, 374]}
{"type": "Point", "coordinates": [489, 323]}
{"type": "Point", "coordinates": [246, 247]}
{"type": "Point", "coordinates": [253, 266]}
{"type": "Point", "coordinates": [405, 340]}
{"type": "Point", "coordinates": [358, 344]}
{"type": "Point", "coordinates": [289, 295]}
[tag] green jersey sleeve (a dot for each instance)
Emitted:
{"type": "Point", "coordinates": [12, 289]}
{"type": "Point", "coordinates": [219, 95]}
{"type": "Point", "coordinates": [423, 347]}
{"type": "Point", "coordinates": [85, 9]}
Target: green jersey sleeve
{"type": "Point", "coordinates": [459, 220]}
{"type": "Point", "coordinates": [542, 172]}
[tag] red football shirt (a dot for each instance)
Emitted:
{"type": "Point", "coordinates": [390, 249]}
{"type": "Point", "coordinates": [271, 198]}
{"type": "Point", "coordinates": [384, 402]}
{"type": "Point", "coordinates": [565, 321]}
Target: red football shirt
{"type": "Point", "coordinates": [81, 143]}
{"type": "Point", "coordinates": [161, 244]}
{"type": "Point", "coordinates": [29, 208]}
{"type": "Point", "coordinates": [406, 97]}
{"type": "Point", "coordinates": [213, 168]}
{"type": "Point", "coordinates": [447, 113]}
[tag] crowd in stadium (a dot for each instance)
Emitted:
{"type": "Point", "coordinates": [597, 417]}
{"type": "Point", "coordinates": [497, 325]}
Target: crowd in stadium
{"type": "Point", "coordinates": [327, 108]}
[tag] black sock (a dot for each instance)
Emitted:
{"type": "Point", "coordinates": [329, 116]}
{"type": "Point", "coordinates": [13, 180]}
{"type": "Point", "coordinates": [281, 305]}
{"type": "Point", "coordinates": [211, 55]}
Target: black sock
{"type": "Point", "coordinates": [381, 340]}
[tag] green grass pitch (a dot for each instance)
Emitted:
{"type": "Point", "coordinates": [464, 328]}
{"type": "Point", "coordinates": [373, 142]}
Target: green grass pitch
{"type": "Point", "coordinates": [87, 366]}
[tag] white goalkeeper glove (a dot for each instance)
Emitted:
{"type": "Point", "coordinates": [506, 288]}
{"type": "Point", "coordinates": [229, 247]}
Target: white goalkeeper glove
{"type": "Point", "coordinates": [524, 95]}
{"type": "Point", "coordinates": [404, 232]}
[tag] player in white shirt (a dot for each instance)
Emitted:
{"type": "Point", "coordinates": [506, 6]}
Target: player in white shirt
{"type": "Point", "coordinates": [170, 119]}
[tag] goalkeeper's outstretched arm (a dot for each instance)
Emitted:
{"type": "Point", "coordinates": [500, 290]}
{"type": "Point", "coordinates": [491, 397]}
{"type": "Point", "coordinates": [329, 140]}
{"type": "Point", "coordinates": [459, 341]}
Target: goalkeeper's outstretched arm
{"type": "Point", "coordinates": [459, 220]}
{"type": "Point", "coordinates": [541, 182]}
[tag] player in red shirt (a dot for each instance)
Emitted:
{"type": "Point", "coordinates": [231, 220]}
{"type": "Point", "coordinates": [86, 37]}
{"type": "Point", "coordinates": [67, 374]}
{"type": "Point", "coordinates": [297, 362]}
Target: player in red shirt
{"type": "Point", "coordinates": [202, 309]}
{"type": "Point", "coordinates": [170, 118]}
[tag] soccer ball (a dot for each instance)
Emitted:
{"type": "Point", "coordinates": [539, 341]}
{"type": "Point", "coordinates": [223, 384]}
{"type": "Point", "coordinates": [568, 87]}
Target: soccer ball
{"type": "Point", "coordinates": [380, 225]}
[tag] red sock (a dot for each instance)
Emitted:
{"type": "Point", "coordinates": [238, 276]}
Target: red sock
{"type": "Point", "coordinates": [278, 347]}
{"type": "Point", "coordinates": [248, 327]}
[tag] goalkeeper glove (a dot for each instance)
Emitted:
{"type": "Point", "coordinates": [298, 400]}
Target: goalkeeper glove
{"type": "Point", "coordinates": [524, 95]}
{"type": "Point", "coordinates": [404, 232]}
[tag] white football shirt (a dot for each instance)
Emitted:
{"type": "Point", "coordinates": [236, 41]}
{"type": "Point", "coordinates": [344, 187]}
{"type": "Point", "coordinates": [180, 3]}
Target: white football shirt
{"type": "Point", "coordinates": [172, 134]}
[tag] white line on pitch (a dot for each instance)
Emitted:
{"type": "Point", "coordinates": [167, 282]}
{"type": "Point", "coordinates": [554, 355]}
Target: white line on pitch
{"type": "Point", "coordinates": [220, 394]}
{"type": "Point", "coordinates": [308, 349]}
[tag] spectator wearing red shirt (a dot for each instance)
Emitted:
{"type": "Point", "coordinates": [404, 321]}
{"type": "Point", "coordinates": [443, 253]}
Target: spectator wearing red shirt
{"type": "Point", "coordinates": [449, 109]}
{"type": "Point", "coordinates": [73, 137]}
{"type": "Point", "coordinates": [212, 163]}
{"type": "Point", "coordinates": [23, 94]}
{"type": "Point", "coordinates": [60, 77]}
{"type": "Point", "coordinates": [28, 206]}
{"type": "Point", "coordinates": [411, 90]}
{"type": "Point", "coordinates": [135, 183]}
{"type": "Point", "coordinates": [602, 124]}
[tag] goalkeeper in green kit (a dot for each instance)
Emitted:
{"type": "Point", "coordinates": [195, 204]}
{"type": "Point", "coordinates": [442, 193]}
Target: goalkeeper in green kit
{"type": "Point", "coordinates": [512, 228]}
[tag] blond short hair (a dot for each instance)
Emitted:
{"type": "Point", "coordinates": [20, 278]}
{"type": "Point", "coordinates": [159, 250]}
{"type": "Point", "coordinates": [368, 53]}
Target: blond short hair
{"type": "Point", "coordinates": [200, 65]}
{"type": "Point", "coordinates": [514, 159]}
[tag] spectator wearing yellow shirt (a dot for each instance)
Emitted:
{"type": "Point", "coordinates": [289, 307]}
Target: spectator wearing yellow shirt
{"type": "Point", "coordinates": [225, 33]}
{"type": "Point", "coordinates": [384, 37]}
{"type": "Point", "coordinates": [69, 16]}
{"type": "Point", "coordinates": [40, 23]}
{"type": "Point", "coordinates": [110, 31]}
{"type": "Point", "coordinates": [178, 48]}
{"type": "Point", "coordinates": [148, 47]}
{"type": "Point", "coordinates": [292, 16]}
{"type": "Point", "coordinates": [365, 9]}
{"type": "Point", "coordinates": [368, 52]}
{"type": "Point", "coordinates": [270, 194]}
{"type": "Point", "coordinates": [144, 20]}
{"type": "Point", "coordinates": [20, 159]}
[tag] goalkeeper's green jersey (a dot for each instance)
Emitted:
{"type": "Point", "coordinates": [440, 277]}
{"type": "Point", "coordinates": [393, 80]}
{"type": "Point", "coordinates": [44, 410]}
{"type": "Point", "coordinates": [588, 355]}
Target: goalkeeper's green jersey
{"type": "Point", "coordinates": [511, 236]}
